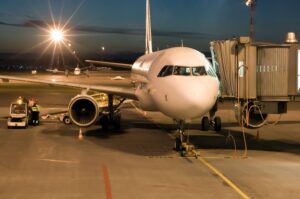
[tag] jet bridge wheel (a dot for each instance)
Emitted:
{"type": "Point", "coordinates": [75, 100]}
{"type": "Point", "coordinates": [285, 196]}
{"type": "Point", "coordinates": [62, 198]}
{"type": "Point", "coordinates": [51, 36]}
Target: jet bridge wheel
{"type": "Point", "coordinates": [205, 123]}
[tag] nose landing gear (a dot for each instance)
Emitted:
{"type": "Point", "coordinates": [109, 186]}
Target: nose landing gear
{"type": "Point", "coordinates": [182, 144]}
{"type": "Point", "coordinates": [182, 137]}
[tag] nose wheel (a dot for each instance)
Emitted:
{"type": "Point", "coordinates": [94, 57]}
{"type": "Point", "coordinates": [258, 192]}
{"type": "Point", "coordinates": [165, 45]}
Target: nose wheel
{"type": "Point", "coordinates": [178, 145]}
{"type": "Point", "coordinates": [182, 144]}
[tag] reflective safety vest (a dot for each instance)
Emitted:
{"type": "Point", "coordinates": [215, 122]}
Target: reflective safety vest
{"type": "Point", "coordinates": [35, 108]}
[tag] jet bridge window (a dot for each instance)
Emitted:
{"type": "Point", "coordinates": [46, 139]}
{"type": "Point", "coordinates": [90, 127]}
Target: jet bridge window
{"type": "Point", "coordinates": [165, 71]}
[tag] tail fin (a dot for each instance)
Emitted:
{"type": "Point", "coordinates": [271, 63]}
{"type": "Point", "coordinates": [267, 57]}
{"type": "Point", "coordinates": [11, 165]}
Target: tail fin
{"type": "Point", "coordinates": [148, 29]}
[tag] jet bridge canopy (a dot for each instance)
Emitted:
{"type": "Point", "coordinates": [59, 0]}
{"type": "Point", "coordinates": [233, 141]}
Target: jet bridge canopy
{"type": "Point", "coordinates": [258, 71]}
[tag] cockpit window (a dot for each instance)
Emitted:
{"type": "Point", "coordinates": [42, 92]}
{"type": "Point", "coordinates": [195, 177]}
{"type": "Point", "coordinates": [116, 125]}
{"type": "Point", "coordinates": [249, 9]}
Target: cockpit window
{"type": "Point", "coordinates": [199, 71]}
{"type": "Point", "coordinates": [181, 70]}
{"type": "Point", "coordinates": [166, 71]}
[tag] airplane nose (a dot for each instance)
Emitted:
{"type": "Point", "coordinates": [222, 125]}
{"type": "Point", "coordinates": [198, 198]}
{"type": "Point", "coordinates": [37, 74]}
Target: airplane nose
{"type": "Point", "coordinates": [189, 100]}
{"type": "Point", "coordinates": [200, 99]}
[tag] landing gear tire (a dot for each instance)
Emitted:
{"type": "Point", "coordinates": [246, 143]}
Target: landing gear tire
{"type": "Point", "coordinates": [205, 123]}
{"type": "Point", "coordinates": [67, 120]}
{"type": "Point", "coordinates": [117, 122]}
{"type": "Point", "coordinates": [177, 144]}
{"type": "Point", "coordinates": [104, 121]}
{"type": "Point", "coordinates": [217, 124]}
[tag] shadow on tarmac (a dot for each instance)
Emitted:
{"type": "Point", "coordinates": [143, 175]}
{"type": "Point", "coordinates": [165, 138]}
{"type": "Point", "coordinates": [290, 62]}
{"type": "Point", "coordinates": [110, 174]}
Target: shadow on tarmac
{"type": "Point", "coordinates": [147, 139]}
{"type": "Point", "coordinates": [223, 140]}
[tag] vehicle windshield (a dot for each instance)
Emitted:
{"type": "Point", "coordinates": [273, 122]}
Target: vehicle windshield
{"type": "Point", "coordinates": [18, 109]}
{"type": "Point", "coordinates": [182, 71]}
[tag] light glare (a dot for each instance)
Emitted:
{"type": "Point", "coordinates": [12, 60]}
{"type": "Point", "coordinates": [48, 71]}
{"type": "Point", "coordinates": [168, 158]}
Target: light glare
{"type": "Point", "coordinates": [57, 35]}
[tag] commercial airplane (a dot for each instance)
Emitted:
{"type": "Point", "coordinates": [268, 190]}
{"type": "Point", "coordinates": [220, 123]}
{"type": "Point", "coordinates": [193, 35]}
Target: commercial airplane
{"type": "Point", "coordinates": [55, 71]}
{"type": "Point", "coordinates": [179, 82]}
{"type": "Point", "coordinates": [79, 71]}
{"type": "Point", "coordinates": [76, 71]}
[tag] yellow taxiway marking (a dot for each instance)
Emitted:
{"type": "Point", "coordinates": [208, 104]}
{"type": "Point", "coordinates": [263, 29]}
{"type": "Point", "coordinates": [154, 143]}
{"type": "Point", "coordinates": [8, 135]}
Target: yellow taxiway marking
{"type": "Point", "coordinates": [207, 164]}
{"type": "Point", "coordinates": [223, 177]}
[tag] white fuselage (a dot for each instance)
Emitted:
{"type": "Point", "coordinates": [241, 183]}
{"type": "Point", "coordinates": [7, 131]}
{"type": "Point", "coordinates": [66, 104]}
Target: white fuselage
{"type": "Point", "coordinates": [181, 97]}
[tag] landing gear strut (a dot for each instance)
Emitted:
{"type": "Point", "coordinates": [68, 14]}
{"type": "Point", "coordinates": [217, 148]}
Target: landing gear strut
{"type": "Point", "coordinates": [182, 143]}
{"type": "Point", "coordinates": [113, 117]}
{"type": "Point", "coordinates": [182, 137]}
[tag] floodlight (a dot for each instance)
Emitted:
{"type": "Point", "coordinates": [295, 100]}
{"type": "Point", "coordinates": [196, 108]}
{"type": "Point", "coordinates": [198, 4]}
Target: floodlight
{"type": "Point", "coordinates": [57, 35]}
{"type": "Point", "coordinates": [250, 3]}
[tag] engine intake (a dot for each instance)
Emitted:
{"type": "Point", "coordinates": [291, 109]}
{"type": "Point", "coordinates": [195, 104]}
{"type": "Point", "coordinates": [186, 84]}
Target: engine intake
{"type": "Point", "coordinates": [83, 110]}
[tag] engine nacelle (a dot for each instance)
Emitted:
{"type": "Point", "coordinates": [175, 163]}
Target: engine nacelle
{"type": "Point", "coordinates": [83, 110]}
{"type": "Point", "coordinates": [250, 115]}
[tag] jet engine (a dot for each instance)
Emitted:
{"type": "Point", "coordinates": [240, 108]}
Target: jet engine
{"type": "Point", "coordinates": [83, 110]}
{"type": "Point", "coordinates": [249, 115]}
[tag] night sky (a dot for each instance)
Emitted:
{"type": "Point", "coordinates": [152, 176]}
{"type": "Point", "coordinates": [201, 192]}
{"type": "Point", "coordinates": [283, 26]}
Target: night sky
{"type": "Point", "coordinates": [119, 24]}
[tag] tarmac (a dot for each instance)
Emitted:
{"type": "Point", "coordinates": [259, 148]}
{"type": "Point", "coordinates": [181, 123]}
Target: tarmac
{"type": "Point", "coordinates": [52, 161]}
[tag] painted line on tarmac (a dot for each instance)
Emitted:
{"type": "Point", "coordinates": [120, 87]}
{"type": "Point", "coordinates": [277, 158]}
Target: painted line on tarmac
{"type": "Point", "coordinates": [223, 177]}
{"type": "Point", "coordinates": [106, 182]}
{"type": "Point", "coordinates": [206, 163]}
{"type": "Point", "coordinates": [57, 161]}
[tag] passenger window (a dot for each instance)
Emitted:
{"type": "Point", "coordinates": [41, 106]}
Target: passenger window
{"type": "Point", "coordinates": [165, 71]}
{"type": "Point", "coordinates": [199, 71]}
{"type": "Point", "coordinates": [179, 70]}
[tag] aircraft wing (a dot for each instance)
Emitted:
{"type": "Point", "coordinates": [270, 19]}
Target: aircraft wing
{"type": "Point", "coordinates": [111, 64]}
{"type": "Point", "coordinates": [128, 93]}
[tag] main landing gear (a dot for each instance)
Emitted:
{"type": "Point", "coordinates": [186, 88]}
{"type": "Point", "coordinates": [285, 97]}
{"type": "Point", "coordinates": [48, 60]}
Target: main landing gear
{"type": "Point", "coordinates": [106, 121]}
{"type": "Point", "coordinates": [113, 116]}
{"type": "Point", "coordinates": [214, 121]}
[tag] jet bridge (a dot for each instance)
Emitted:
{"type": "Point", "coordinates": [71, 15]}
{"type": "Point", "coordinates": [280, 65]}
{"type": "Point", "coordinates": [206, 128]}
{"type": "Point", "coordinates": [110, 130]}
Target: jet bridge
{"type": "Point", "coordinates": [260, 77]}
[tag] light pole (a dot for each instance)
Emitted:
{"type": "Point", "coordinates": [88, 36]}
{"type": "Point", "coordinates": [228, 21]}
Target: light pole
{"type": "Point", "coordinates": [252, 5]}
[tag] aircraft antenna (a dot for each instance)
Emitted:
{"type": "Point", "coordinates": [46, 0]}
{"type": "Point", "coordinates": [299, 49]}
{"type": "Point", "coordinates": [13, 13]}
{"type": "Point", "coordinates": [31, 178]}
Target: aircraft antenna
{"type": "Point", "coordinates": [148, 29]}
